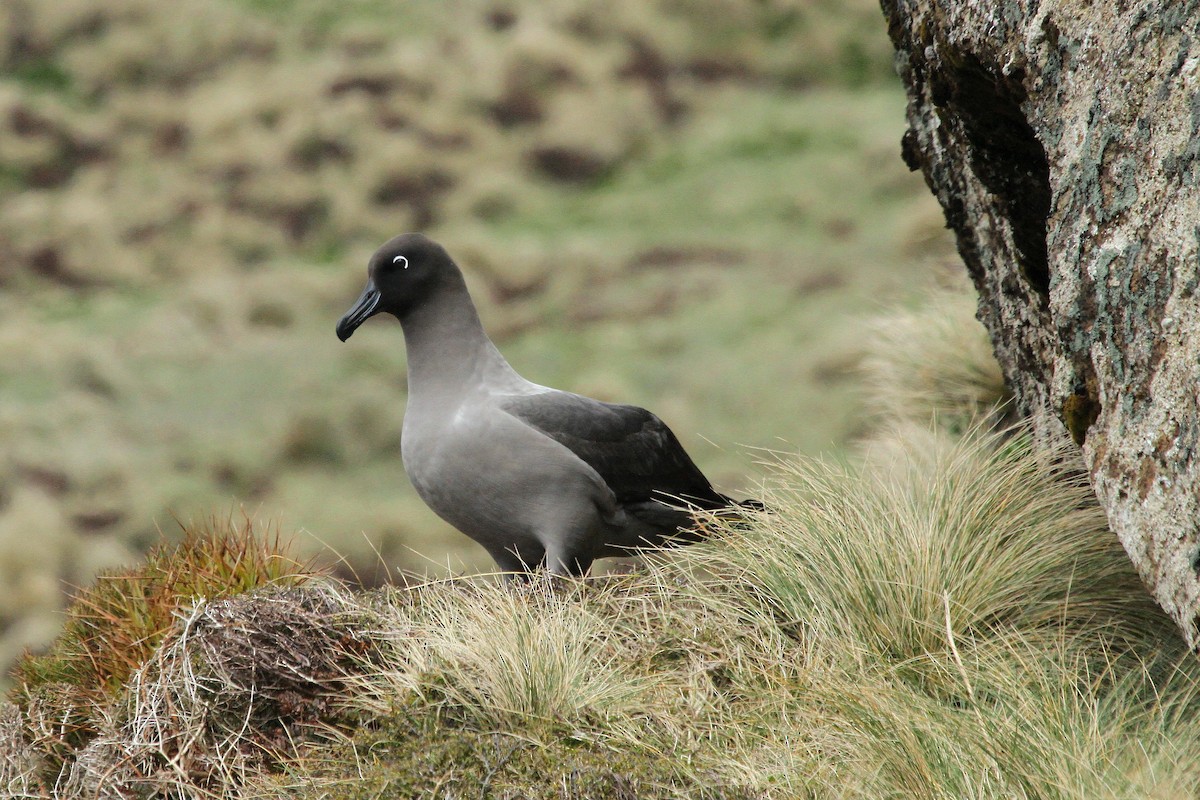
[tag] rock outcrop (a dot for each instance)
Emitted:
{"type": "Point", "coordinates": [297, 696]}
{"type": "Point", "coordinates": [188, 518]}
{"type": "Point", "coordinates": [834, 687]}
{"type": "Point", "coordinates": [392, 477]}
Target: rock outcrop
{"type": "Point", "coordinates": [1063, 142]}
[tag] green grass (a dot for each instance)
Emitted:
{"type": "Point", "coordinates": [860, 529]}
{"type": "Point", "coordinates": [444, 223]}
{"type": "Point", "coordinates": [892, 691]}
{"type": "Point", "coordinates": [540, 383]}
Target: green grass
{"type": "Point", "coordinates": [167, 341]}
{"type": "Point", "coordinates": [758, 168]}
{"type": "Point", "coordinates": [920, 615]}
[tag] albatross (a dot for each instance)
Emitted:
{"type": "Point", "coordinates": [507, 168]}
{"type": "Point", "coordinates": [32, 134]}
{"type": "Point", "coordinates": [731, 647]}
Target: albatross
{"type": "Point", "coordinates": [541, 478]}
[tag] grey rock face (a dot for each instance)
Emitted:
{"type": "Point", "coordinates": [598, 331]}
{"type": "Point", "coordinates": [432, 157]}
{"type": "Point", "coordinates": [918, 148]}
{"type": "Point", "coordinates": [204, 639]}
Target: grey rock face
{"type": "Point", "coordinates": [1063, 142]}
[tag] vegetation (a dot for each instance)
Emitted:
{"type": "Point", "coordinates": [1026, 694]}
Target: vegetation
{"type": "Point", "coordinates": [944, 615]}
{"type": "Point", "coordinates": [951, 621]}
{"type": "Point", "coordinates": [645, 195]}
{"type": "Point", "coordinates": [686, 206]}
{"type": "Point", "coordinates": [935, 360]}
{"type": "Point", "coordinates": [115, 627]}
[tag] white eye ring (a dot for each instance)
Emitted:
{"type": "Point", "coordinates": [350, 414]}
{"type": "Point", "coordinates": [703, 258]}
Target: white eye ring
{"type": "Point", "coordinates": [401, 258]}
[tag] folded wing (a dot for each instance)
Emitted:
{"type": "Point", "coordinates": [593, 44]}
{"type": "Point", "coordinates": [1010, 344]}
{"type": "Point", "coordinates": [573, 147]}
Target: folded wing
{"type": "Point", "coordinates": [635, 453]}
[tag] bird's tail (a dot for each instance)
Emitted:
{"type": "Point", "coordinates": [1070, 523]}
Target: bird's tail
{"type": "Point", "coordinates": [707, 518]}
{"type": "Point", "coordinates": [739, 512]}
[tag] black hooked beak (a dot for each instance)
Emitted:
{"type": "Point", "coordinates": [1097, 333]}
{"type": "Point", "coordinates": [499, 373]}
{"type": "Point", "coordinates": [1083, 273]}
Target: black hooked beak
{"type": "Point", "coordinates": [363, 308]}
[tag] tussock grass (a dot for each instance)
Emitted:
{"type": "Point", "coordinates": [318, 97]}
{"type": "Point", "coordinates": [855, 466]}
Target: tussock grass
{"type": "Point", "coordinates": [935, 360]}
{"type": "Point", "coordinates": [1040, 726]}
{"type": "Point", "coordinates": [949, 618]}
{"type": "Point", "coordinates": [512, 654]}
{"type": "Point", "coordinates": [972, 628]}
{"type": "Point", "coordinates": [880, 555]}
{"type": "Point", "coordinates": [117, 626]}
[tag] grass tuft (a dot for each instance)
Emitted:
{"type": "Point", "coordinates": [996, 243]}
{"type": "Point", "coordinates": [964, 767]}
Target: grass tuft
{"type": "Point", "coordinates": [935, 361]}
{"type": "Point", "coordinates": [950, 618]}
{"type": "Point", "coordinates": [510, 655]}
{"type": "Point", "coordinates": [114, 627]}
{"type": "Point", "coordinates": [936, 544]}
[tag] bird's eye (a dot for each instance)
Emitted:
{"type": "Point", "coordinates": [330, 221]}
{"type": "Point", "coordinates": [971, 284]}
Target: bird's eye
{"type": "Point", "coordinates": [401, 260]}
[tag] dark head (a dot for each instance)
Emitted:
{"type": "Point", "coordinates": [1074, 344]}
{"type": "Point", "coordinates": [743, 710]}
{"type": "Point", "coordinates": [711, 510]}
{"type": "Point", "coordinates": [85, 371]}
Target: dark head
{"type": "Point", "coordinates": [400, 276]}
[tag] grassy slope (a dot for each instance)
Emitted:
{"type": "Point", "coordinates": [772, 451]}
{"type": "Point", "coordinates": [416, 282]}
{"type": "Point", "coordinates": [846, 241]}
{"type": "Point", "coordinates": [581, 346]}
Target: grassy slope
{"type": "Point", "coordinates": [943, 620]}
{"type": "Point", "coordinates": [165, 326]}
{"type": "Point", "coordinates": [948, 618]}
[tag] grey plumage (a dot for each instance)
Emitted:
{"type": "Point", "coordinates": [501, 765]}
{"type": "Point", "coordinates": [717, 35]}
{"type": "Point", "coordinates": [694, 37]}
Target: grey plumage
{"type": "Point", "coordinates": [539, 477]}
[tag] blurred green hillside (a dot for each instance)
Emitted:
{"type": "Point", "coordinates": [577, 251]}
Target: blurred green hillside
{"type": "Point", "coordinates": [690, 206]}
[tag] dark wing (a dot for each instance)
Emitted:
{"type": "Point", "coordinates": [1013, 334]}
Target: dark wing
{"type": "Point", "coordinates": [633, 451]}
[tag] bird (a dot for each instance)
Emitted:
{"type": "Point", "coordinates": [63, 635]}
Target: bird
{"type": "Point", "coordinates": [545, 480]}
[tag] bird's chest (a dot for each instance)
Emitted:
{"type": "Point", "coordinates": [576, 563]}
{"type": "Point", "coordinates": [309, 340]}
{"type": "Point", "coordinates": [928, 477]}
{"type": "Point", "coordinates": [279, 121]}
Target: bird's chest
{"type": "Point", "coordinates": [470, 467]}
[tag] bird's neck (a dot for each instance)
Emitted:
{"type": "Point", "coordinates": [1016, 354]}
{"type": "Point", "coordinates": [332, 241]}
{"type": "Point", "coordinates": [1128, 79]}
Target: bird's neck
{"type": "Point", "coordinates": [449, 353]}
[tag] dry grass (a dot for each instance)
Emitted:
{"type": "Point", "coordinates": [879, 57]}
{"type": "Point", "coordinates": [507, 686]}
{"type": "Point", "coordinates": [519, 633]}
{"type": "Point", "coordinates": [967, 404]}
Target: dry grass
{"type": "Point", "coordinates": [117, 626]}
{"type": "Point", "coordinates": [237, 685]}
{"type": "Point", "coordinates": [243, 683]}
{"type": "Point", "coordinates": [188, 194]}
{"type": "Point", "coordinates": [977, 629]}
{"type": "Point", "coordinates": [950, 621]}
{"type": "Point", "coordinates": [934, 531]}
{"type": "Point", "coordinates": [935, 360]}
{"type": "Point", "coordinates": [945, 619]}
{"type": "Point", "coordinates": [513, 654]}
